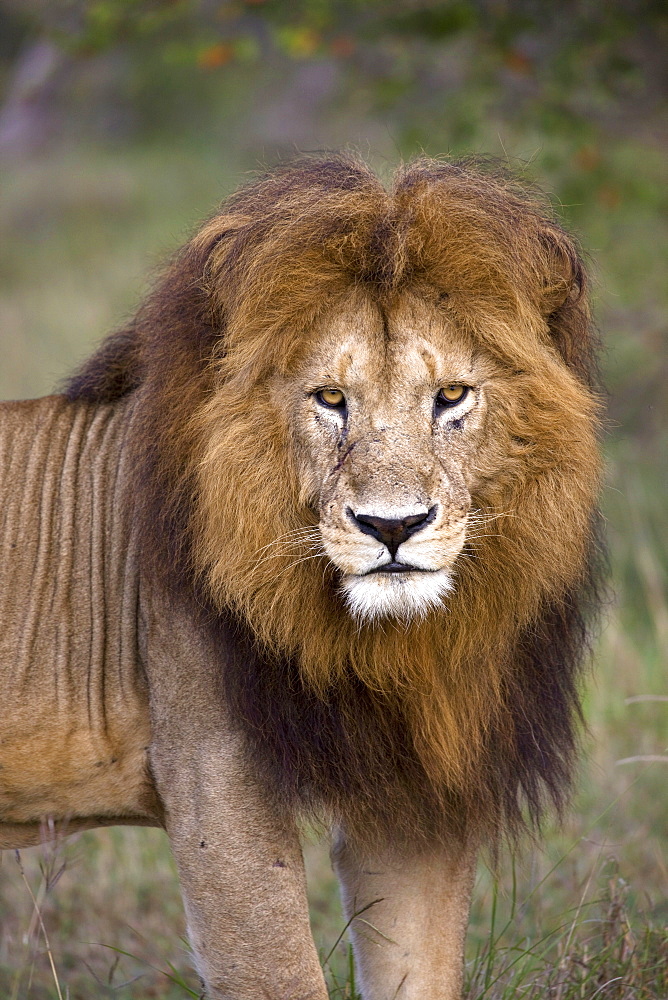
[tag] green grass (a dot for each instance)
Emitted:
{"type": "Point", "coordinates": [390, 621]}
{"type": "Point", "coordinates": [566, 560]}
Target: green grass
{"type": "Point", "coordinates": [584, 915]}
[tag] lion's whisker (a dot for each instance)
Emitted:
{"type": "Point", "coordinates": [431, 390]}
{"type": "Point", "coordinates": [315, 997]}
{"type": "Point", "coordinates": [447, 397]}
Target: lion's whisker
{"type": "Point", "coordinates": [294, 534]}
{"type": "Point", "coordinates": [298, 562]}
{"type": "Point", "coordinates": [286, 553]}
{"type": "Point", "coordinates": [484, 534]}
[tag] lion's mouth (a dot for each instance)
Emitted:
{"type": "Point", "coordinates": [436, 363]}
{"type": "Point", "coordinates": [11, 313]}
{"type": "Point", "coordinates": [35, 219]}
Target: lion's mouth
{"type": "Point", "coordinates": [395, 590]}
{"type": "Point", "coordinates": [397, 567]}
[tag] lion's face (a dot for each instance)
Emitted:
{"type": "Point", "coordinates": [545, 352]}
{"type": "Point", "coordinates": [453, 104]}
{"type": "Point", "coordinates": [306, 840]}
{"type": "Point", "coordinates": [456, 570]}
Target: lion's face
{"type": "Point", "coordinates": [388, 410]}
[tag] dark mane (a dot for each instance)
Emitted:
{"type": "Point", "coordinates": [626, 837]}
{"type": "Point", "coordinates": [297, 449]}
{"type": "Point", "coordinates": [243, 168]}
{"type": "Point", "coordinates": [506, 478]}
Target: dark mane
{"type": "Point", "coordinates": [349, 757]}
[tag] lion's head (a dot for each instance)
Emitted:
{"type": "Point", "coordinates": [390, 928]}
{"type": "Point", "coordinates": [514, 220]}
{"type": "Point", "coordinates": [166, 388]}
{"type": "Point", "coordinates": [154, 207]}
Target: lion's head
{"type": "Point", "coordinates": [370, 433]}
{"type": "Point", "coordinates": [385, 405]}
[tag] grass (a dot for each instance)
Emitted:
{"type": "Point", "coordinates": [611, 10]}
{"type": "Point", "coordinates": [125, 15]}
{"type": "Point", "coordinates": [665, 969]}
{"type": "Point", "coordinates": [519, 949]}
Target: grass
{"type": "Point", "coordinates": [598, 948]}
{"type": "Point", "coordinates": [584, 916]}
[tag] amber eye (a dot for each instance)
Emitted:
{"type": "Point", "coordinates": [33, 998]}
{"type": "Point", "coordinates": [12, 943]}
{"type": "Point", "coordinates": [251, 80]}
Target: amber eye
{"type": "Point", "coordinates": [451, 394]}
{"type": "Point", "coordinates": [333, 398]}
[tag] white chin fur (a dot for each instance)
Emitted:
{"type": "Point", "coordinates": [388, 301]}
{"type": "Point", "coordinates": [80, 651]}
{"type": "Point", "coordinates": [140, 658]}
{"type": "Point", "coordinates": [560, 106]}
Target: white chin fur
{"type": "Point", "coordinates": [395, 595]}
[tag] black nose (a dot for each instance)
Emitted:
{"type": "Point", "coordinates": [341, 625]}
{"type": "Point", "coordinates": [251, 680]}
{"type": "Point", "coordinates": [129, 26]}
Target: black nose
{"type": "Point", "coordinates": [392, 531]}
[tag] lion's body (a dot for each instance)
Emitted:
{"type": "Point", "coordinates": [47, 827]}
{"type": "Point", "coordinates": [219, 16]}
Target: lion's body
{"type": "Point", "coordinates": [313, 537]}
{"type": "Point", "coordinates": [75, 729]}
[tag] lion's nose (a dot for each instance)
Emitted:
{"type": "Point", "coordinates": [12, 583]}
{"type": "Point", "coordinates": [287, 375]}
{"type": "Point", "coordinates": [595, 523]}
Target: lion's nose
{"type": "Point", "coordinates": [392, 531]}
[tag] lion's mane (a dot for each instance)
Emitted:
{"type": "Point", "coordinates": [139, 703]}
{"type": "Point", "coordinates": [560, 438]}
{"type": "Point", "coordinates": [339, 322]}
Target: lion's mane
{"type": "Point", "coordinates": [463, 722]}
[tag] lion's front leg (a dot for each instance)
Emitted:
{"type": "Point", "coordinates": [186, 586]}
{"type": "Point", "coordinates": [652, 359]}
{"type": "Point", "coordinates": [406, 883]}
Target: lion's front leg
{"type": "Point", "coordinates": [242, 876]}
{"type": "Point", "coordinates": [408, 937]}
{"type": "Point", "coordinates": [238, 855]}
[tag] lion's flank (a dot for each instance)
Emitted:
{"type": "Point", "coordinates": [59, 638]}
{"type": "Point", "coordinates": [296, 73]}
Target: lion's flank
{"type": "Point", "coordinates": [468, 718]}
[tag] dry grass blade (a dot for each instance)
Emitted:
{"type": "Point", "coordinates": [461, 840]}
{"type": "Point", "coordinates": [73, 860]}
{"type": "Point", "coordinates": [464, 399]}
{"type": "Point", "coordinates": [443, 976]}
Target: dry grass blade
{"type": "Point", "coordinates": [38, 913]}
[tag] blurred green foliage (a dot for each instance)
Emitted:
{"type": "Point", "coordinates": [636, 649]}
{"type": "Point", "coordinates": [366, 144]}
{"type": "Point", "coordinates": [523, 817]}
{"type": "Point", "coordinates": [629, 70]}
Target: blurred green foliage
{"type": "Point", "coordinates": [557, 65]}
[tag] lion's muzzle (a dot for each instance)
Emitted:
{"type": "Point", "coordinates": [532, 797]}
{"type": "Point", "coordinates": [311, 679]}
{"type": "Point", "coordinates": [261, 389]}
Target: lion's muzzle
{"type": "Point", "coordinates": [391, 531]}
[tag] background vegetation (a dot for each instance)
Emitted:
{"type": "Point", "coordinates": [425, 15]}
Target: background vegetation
{"type": "Point", "coordinates": [123, 123]}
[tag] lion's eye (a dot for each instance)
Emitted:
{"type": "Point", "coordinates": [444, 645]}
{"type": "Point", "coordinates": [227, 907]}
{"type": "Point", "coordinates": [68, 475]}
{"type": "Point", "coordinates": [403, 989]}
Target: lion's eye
{"type": "Point", "coordinates": [451, 394]}
{"type": "Point", "coordinates": [333, 398]}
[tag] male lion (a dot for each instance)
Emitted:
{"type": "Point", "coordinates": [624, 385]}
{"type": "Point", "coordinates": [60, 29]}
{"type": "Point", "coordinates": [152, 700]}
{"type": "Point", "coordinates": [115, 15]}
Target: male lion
{"type": "Point", "coordinates": [313, 538]}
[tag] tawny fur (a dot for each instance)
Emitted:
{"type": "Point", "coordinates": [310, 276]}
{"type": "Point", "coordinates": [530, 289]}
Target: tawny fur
{"type": "Point", "coordinates": [457, 721]}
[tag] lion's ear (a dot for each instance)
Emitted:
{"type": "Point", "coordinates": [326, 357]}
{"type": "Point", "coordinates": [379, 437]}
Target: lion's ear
{"type": "Point", "coordinates": [213, 238]}
{"type": "Point", "coordinates": [218, 251]}
{"type": "Point", "coordinates": [563, 302]}
{"type": "Point", "coordinates": [564, 277]}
